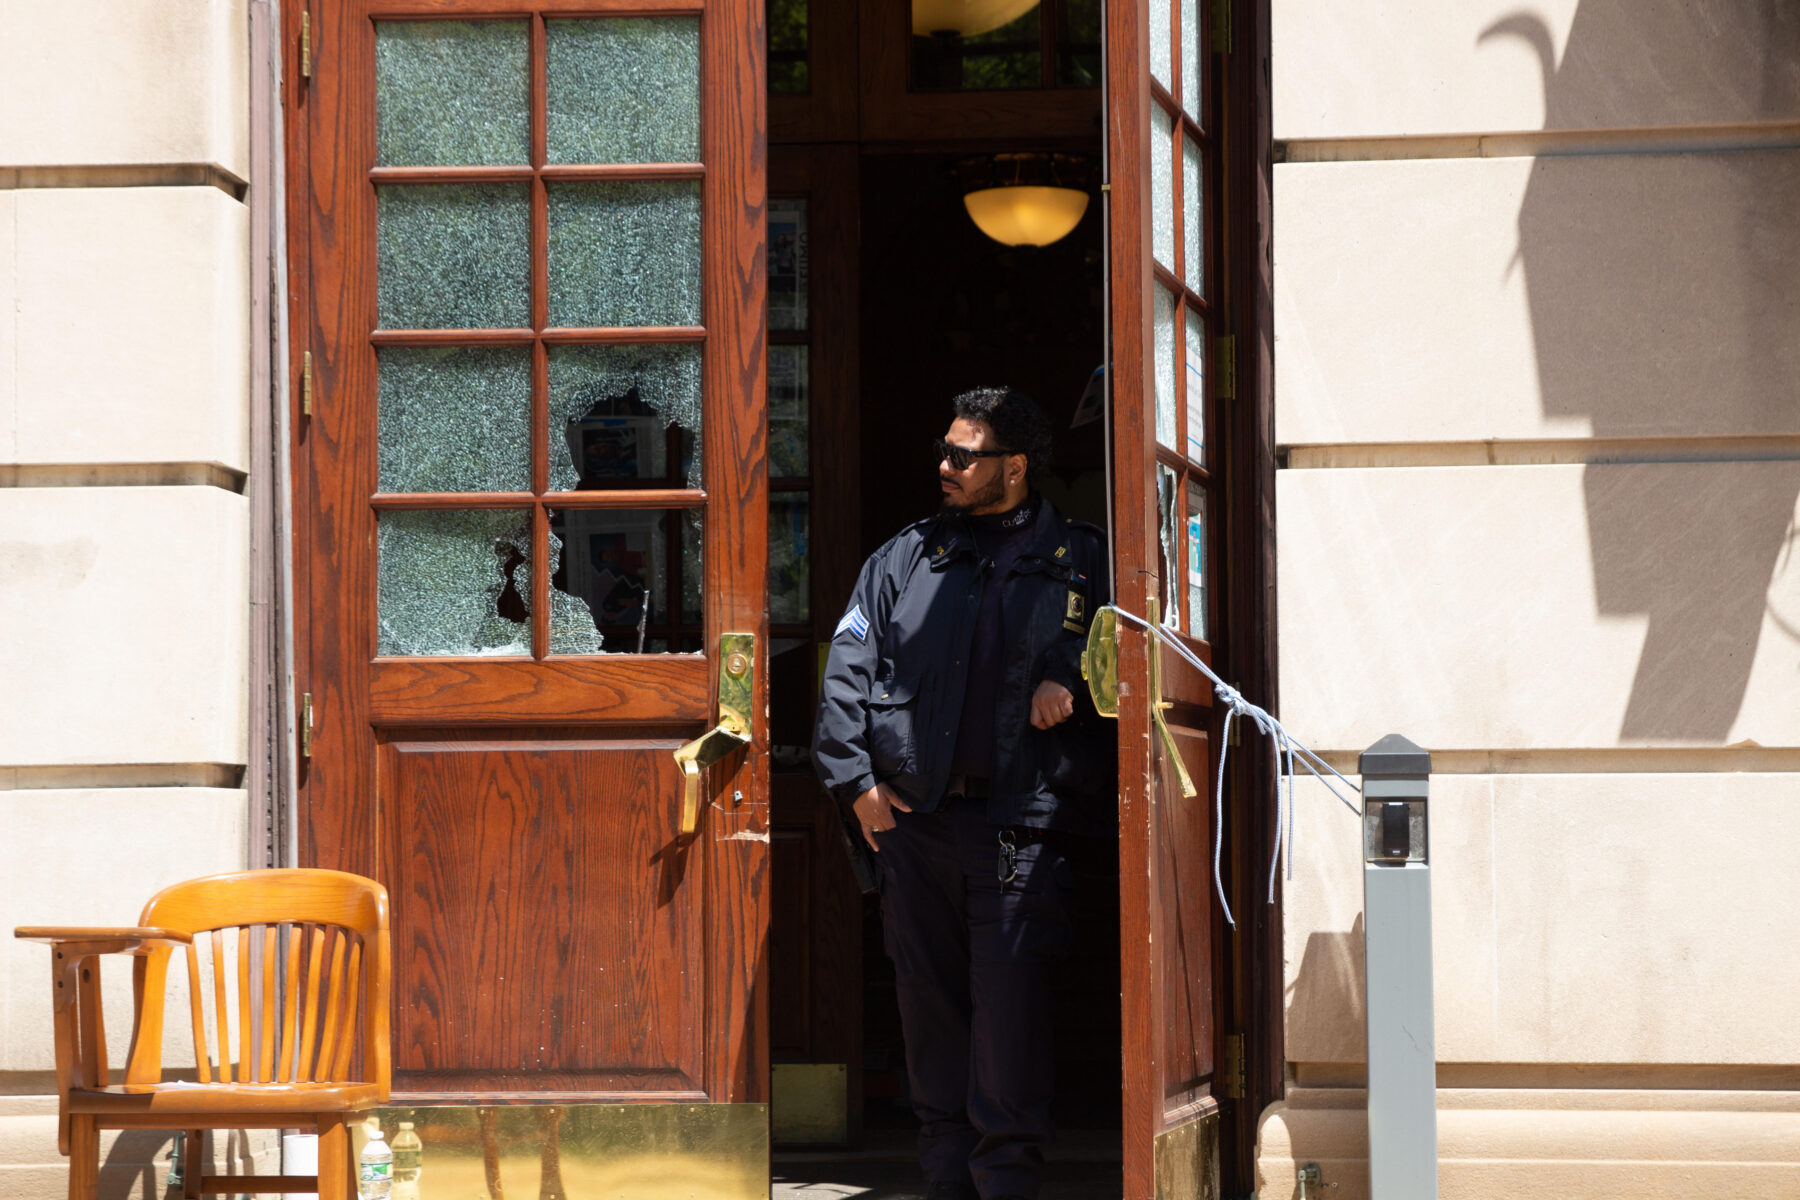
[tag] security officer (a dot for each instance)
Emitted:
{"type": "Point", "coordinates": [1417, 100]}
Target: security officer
{"type": "Point", "coordinates": [953, 718]}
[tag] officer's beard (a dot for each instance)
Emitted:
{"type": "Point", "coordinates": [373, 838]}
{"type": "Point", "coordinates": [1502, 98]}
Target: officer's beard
{"type": "Point", "coordinates": [962, 500]}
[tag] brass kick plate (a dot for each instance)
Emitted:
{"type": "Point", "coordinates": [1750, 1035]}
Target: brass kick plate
{"type": "Point", "coordinates": [572, 1151]}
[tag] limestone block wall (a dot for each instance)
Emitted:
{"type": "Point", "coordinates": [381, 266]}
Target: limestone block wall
{"type": "Point", "coordinates": [124, 533]}
{"type": "Point", "coordinates": [1538, 337]}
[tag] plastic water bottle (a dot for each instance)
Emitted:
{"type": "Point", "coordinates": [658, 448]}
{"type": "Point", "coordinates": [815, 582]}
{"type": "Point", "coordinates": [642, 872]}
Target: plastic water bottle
{"type": "Point", "coordinates": [375, 1169]}
{"type": "Point", "coordinates": [409, 1156]}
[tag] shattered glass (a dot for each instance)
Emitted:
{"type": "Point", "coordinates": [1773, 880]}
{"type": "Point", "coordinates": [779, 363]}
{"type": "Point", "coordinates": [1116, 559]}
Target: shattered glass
{"type": "Point", "coordinates": [1193, 194]}
{"type": "Point", "coordinates": [693, 577]}
{"type": "Point", "coordinates": [1164, 344]}
{"type": "Point", "coordinates": [1193, 58]}
{"type": "Point", "coordinates": [454, 419]}
{"type": "Point", "coordinates": [612, 572]}
{"type": "Point", "coordinates": [610, 410]}
{"type": "Point", "coordinates": [453, 582]}
{"type": "Point", "coordinates": [624, 90]}
{"type": "Point", "coordinates": [450, 93]}
{"type": "Point", "coordinates": [453, 256]}
{"type": "Point", "coordinates": [1196, 386]}
{"type": "Point", "coordinates": [1162, 186]}
{"type": "Point", "coordinates": [624, 253]}
{"type": "Point", "coordinates": [1169, 528]}
{"type": "Point", "coordinates": [790, 580]}
{"type": "Point", "coordinates": [1161, 39]}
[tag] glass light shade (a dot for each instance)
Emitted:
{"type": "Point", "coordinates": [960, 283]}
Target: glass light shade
{"type": "Point", "coordinates": [1026, 216]}
{"type": "Point", "coordinates": [966, 17]}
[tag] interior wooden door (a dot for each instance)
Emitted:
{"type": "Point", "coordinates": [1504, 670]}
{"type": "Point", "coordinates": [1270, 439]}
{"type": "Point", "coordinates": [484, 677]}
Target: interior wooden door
{"type": "Point", "coordinates": [529, 325]}
{"type": "Point", "coordinates": [1161, 238]}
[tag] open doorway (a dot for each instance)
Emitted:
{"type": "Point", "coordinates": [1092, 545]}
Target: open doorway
{"type": "Point", "coordinates": [886, 301]}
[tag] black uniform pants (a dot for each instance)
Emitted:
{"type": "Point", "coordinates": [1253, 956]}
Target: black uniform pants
{"type": "Point", "coordinates": [973, 959]}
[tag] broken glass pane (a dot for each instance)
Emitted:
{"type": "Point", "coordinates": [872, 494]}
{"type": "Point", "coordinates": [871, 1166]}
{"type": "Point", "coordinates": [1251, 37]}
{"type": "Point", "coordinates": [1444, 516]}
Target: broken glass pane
{"type": "Point", "coordinates": [693, 577]}
{"type": "Point", "coordinates": [1196, 386]}
{"type": "Point", "coordinates": [788, 412]}
{"type": "Point", "coordinates": [788, 264]}
{"type": "Point", "coordinates": [450, 93]}
{"type": "Point", "coordinates": [1193, 215]}
{"type": "Point", "coordinates": [1196, 561]}
{"type": "Point", "coordinates": [1170, 528]}
{"type": "Point", "coordinates": [1164, 344]}
{"type": "Point", "coordinates": [453, 256]}
{"type": "Point", "coordinates": [624, 90]}
{"type": "Point", "coordinates": [624, 417]}
{"type": "Point", "coordinates": [453, 582]}
{"type": "Point", "coordinates": [613, 565]}
{"type": "Point", "coordinates": [1193, 60]}
{"type": "Point", "coordinates": [1161, 40]}
{"type": "Point", "coordinates": [790, 586]}
{"type": "Point", "coordinates": [1162, 186]}
{"type": "Point", "coordinates": [624, 253]}
{"type": "Point", "coordinates": [454, 418]}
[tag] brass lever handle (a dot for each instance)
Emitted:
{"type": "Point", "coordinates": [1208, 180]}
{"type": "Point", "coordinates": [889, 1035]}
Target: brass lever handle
{"type": "Point", "coordinates": [736, 675]}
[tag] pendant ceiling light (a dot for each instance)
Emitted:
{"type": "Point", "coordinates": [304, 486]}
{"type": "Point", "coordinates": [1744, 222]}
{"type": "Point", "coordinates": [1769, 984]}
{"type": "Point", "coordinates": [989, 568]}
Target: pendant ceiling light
{"type": "Point", "coordinates": [1026, 199]}
{"type": "Point", "coordinates": [966, 18]}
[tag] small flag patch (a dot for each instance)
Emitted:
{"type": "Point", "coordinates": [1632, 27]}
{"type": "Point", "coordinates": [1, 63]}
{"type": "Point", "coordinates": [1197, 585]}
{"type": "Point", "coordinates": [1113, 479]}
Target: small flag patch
{"type": "Point", "coordinates": [855, 622]}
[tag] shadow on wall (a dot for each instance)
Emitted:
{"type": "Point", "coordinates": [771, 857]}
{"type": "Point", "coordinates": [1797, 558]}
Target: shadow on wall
{"type": "Point", "coordinates": [1327, 998]}
{"type": "Point", "coordinates": [1665, 301]}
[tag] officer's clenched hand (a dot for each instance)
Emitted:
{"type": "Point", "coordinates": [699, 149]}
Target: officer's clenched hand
{"type": "Point", "coordinates": [1051, 704]}
{"type": "Point", "coordinates": [872, 809]}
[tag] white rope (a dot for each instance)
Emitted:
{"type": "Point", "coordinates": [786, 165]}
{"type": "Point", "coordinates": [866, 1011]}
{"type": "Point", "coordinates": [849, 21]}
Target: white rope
{"type": "Point", "coordinates": [1286, 748]}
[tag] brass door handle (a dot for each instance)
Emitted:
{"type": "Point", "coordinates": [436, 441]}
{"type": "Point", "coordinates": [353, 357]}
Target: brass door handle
{"type": "Point", "coordinates": [737, 674]}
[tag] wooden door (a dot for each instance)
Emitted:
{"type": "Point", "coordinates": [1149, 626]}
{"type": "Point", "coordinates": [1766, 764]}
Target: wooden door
{"type": "Point", "coordinates": [1161, 246]}
{"type": "Point", "coordinates": [529, 287]}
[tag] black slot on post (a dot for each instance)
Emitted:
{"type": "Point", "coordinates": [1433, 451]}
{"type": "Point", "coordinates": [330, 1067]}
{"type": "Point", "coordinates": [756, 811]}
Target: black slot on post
{"type": "Point", "coordinates": [1396, 830]}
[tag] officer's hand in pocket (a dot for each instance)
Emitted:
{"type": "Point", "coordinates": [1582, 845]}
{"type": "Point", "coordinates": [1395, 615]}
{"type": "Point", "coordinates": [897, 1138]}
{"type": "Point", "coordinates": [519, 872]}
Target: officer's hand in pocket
{"type": "Point", "coordinates": [873, 811]}
{"type": "Point", "coordinates": [1051, 704]}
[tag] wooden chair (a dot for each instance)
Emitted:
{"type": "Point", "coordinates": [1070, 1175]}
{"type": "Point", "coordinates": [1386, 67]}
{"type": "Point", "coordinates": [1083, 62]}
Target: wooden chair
{"type": "Point", "coordinates": [320, 941]}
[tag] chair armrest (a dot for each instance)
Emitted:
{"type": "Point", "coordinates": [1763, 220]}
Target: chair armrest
{"type": "Point", "coordinates": [102, 939]}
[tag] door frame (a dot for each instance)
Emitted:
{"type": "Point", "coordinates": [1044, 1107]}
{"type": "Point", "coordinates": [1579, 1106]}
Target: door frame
{"type": "Point", "coordinates": [733, 135]}
{"type": "Point", "coordinates": [1247, 962]}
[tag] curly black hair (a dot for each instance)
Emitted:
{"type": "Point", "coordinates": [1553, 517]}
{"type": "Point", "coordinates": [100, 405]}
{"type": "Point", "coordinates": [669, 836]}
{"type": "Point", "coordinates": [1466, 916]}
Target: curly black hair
{"type": "Point", "coordinates": [1019, 425]}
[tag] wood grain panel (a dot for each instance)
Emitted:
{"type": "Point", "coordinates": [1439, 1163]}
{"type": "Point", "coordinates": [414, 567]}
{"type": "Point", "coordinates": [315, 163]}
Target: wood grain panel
{"type": "Point", "coordinates": [646, 690]}
{"type": "Point", "coordinates": [1184, 871]}
{"type": "Point", "coordinates": [541, 940]}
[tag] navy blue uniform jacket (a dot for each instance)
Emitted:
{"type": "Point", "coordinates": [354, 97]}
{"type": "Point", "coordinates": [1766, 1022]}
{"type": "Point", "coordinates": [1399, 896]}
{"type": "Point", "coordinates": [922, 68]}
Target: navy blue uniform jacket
{"type": "Point", "coordinates": [893, 690]}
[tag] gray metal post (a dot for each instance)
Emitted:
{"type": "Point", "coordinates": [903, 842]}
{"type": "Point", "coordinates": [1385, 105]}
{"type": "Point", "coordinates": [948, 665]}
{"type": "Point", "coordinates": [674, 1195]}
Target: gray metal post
{"type": "Point", "coordinates": [1397, 971]}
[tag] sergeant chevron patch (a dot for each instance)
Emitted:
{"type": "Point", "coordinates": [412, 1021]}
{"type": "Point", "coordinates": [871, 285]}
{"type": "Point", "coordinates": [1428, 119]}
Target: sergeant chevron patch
{"type": "Point", "coordinates": [855, 622]}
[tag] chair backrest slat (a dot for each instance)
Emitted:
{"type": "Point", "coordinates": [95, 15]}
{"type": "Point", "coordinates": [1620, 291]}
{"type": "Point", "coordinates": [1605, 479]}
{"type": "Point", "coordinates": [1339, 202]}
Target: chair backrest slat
{"type": "Point", "coordinates": [334, 987]}
{"type": "Point", "coordinates": [195, 997]}
{"type": "Point", "coordinates": [246, 1063]}
{"type": "Point", "coordinates": [221, 1013]}
{"type": "Point", "coordinates": [265, 1011]}
{"type": "Point", "coordinates": [309, 1028]}
{"type": "Point", "coordinates": [340, 1065]}
{"type": "Point", "coordinates": [284, 1069]}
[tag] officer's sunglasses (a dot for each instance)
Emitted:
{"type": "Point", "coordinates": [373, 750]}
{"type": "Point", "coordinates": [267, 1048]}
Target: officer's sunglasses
{"type": "Point", "coordinates": [960, 458]}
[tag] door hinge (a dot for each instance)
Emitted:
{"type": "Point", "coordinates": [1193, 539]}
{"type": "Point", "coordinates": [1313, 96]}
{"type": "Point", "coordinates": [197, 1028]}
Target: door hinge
{"type": "Point", "coordinates": [306, 383]}
{"type": "Point", "coordinates": [1221, 26]}
{"type": "Point", "coordinates": [305, 44]}
{"type": "Point", "coordinates": [1231, 1078]}
{"type": "Point", "coordinates": [306, 724]}
{"type": "Point", "coordinates": [1225, 367]}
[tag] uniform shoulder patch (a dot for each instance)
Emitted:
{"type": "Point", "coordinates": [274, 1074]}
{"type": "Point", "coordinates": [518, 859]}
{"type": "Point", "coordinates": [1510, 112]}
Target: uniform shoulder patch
{"type": "Point", "coordinates": [853, 622]}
